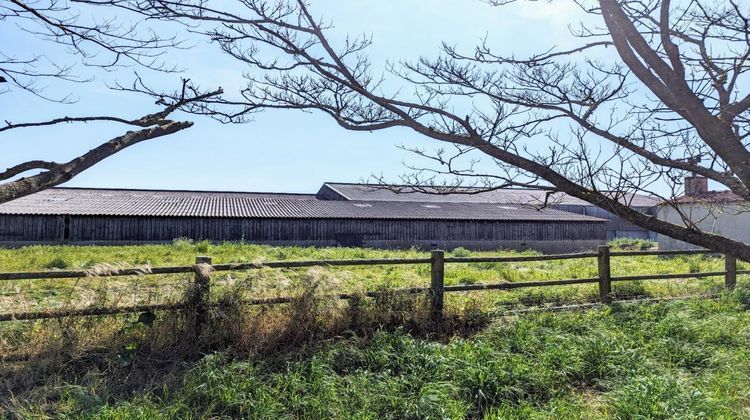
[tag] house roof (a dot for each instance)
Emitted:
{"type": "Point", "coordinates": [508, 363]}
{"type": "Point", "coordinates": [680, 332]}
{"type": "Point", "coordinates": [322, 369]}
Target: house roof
{"type": "Point", "coordinates": [103, 202]}
{"type": "Point", "coordinates": [710, 197]}
{"type": "Point", "coordinates": [520, 196]}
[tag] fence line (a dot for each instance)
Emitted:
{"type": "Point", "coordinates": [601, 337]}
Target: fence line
{"type": "Point", "coordinates": [524, 258]}
{"type": "Point", "coordinates": [198, 302]}
{"type": "Point", "coordinates": [662, 252]}
{"type": "Point", "coordinates": [218, 267]}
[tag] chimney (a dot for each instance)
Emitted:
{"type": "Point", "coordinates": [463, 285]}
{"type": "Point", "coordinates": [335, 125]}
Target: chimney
{"type": "Point", "coordinates": [696, 185]}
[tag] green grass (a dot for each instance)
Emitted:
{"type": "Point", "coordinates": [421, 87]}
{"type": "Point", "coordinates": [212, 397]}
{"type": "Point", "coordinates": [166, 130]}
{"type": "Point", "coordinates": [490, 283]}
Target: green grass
{"type": "Point", "coordinates": [632, 244]}
{"type": "Point", "coordinates": [683, 359]}
{"type": "Point", "coordinates": [41, 295]}
{"type": "Point", "coordinates": [687, 359]}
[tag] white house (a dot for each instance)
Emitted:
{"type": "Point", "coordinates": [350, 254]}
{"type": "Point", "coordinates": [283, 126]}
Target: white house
{"type": "Point", "coordinates": [720, 212]}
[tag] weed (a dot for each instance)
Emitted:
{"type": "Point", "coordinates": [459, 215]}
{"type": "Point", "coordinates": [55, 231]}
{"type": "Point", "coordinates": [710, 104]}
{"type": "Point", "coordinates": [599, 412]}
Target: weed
{"type": "Point", "coordinates": [182, 243]}
{"type": "Point", "coordinates": [461, 252]}
{"type": "Point", "coordinates": [58, 263]}
{"type": "Point", "coordinates": [632, 244]}
{"type": "Point", "coordinates": [203, 246]}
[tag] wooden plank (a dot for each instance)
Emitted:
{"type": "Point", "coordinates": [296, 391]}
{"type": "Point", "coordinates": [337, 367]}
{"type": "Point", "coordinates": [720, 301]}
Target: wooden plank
{"type": "Point", "coordinates": [82, 273]}
{"type": "Point", "coordinates": [664, 252]}
{"type": "Point", "coordinates": [517, 285]}
{"type": "Point", "coordinates": [437, 284]}
{"type": "Point", "coordinates": [25, 316]}
{"type": "Point", "coordinates": [730, 266]}
{"type": "Point", "coordinates": [219, 267]}
{"type": "Point", "coordinates": [64, 313]}
{"type": "Point", "coordinates": [521, 259]}
{"type": "Point", "coordinates": [199, 295]}
{"type": "Point", "coordinates": [343, 296]}
{"type": "Point", "coordinates": [605, 275]}
{"type": "Point", "coordinates": [669, 276]}
{"type": "Point", "coordinates": [318, 263]}
{"type": "Point", "coordinates": [598, 304]}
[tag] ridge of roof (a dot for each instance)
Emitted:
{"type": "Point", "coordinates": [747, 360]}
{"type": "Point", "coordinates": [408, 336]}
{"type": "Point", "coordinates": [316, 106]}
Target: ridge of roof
{"type": "Point", "coordinates": [384, 187]}
{"type": "Point", "coordinates": [717, 197]}
{"type": "Point", "coordinates": [381, 192]}
{"type": "Point", "coordinates": [179, 191]}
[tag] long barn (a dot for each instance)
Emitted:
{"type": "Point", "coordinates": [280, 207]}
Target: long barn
{"type": "Point", "coordinates": [111, 216]}
{"type": "Point", "coordinates": [617, 227]}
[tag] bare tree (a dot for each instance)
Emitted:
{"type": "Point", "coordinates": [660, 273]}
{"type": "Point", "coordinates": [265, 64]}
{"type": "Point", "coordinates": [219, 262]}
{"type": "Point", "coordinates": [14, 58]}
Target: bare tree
{"type": "Point", "coordinates": [667, 104]}
{"type": "Point", "coordinates": [95, 43]}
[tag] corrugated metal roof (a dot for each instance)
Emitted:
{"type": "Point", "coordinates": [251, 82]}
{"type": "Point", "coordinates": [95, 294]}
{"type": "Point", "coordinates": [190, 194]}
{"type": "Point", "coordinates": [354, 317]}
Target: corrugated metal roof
{"type": "Point", "coordinates": [183, 193]}
{"type": "Point", "coordinates": [521, 196]}
{"type": "Point", "coordinates": [710, 197]}
{"type": "Point", "coordinates": [101, 202]}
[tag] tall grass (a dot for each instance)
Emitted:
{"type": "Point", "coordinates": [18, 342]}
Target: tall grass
{"type": "Point", "coordinates": [323, 357]}
{"type": "Point", "coordinates": [117, 356]}
{"type": "Point", "coordinates": [39, 295]}
{"type": "Point", "coordinates": [632, 244]}
{"type": "Point", "coordinates": [686, 359]}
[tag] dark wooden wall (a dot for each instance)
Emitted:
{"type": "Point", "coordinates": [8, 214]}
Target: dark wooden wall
{"type": "Point", "coordinates": [31, 228]}
{"type": "Point", "coordinates": [350, 232]}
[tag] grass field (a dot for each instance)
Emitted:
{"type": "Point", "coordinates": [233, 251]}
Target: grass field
{"type": "Point", "coordinates": [667, 360]}
{"type": "Point", "coordinates": [687, 359]}
{"type": "Point", "coordinates": [36, 295]}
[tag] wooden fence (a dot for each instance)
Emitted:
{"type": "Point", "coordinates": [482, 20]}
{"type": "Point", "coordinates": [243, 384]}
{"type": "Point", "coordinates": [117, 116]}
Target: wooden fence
{"type": "Point", "coordinates": [199, 302]}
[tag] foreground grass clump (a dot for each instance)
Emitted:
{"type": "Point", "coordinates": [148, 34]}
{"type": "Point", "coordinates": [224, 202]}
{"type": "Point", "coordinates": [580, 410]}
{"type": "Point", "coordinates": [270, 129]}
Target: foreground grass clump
{"type": "Point", "coordinates": [682, 359]}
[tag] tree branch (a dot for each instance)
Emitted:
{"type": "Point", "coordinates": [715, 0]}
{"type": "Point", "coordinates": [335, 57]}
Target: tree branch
{"type": "Point", "coordinates": [27, 166]}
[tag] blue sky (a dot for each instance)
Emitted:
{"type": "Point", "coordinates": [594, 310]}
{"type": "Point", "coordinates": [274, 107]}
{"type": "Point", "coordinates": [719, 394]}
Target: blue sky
{"type": "Point", "coordinates": [279, 150]}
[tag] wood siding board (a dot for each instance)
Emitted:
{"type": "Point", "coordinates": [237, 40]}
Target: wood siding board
{"type": "Point", "coordinates": [151, 229]}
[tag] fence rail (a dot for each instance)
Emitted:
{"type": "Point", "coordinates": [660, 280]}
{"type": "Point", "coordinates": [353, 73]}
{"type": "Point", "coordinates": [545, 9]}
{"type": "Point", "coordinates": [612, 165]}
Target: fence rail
{"type": "Point", "coordinates": [198, 302]}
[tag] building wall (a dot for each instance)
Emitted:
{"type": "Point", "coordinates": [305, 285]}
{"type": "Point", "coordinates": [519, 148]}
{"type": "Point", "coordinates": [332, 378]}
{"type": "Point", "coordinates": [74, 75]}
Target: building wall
{"type": "Point", "coordinates": [617, 227]}
{"type": "Point", "coordinates": [729, 220]}
{"type": "Point", "coordinates": [544, 246]}
{"type": "Point", "coordinates": [544, 236]}
{"type": "Point", "coordinates": [32, 228]}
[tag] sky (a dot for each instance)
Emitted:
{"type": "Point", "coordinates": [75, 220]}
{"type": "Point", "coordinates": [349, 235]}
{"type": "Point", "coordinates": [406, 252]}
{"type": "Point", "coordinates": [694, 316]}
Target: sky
{"type": "Point", "coordinates": [285, 151]}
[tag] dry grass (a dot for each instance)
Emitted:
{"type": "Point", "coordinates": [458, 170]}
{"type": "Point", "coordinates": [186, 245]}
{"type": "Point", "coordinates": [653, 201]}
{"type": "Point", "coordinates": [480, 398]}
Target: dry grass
{"type": "Point", "coordinates": [127, 354]}
{"type": "Point", "coordinates": [108, 269]}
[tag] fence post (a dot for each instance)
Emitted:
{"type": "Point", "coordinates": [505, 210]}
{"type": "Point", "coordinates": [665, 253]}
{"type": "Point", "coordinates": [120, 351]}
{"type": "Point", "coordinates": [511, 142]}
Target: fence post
{"type": "Point", "coordinates": [730, 266]}
{"type": "Point", "coordinates": [437, 281]}
{"type": "Point", "coordinates": [605, 277]}
{"type": "Point", "coordinates": [199, 297]}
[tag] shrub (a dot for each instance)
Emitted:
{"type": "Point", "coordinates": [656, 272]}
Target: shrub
{"type": "Point", "coordinates": [632, 244]}
{"type": "Point", "coordinates": [182, 243]}
{"type": "Point", "coordinates": [461, 252]}
{"type": "Point", "coordinates": [57, 262]}
{"type": "Point", "coordinates": [203, 246]}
